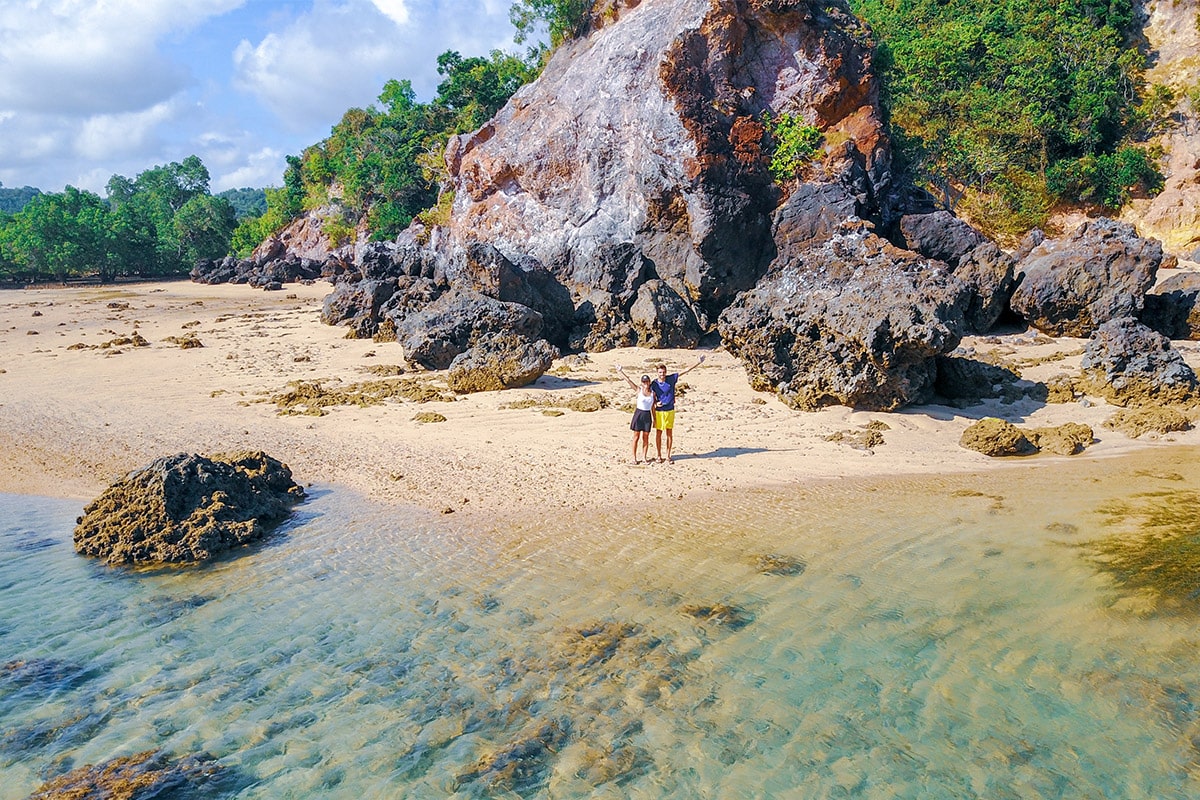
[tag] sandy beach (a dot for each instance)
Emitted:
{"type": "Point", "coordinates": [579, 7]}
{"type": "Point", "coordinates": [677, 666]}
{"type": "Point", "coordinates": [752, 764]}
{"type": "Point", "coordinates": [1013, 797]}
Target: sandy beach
{"type": "Point", "coordinates": [78, 408]}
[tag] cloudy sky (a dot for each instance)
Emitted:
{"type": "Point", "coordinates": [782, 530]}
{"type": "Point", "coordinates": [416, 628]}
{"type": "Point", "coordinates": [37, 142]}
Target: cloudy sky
{"type": "Point", "coordinates": [93, 88]}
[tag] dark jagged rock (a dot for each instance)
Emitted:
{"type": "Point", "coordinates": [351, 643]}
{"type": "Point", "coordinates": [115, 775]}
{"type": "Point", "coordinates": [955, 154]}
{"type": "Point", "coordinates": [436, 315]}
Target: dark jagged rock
{"type": "Point", "coordinates": [854, 321]}
{"type": "Point", "coordinates": [991, 275]}
{"type": "Point", "coordinates": [435, 335]}
{"type": "Point", "coordinates": [187, 508]}
{"type": "Point", "coordinates": [1100, 272]}
{"type": "Point", "coordinates": [601, 323]}
{"type": "Point", "coordinates": [500, 361]}
{"type": "Point", "coordinates": [1171, 307]}
{"type": "Point", "coordinates": [357, 305]}
{"type": "Point", "coordinates": [1130, 365]}
{"type": "Point", "coordinates": [939, 235]}
{"type": "Point", "coordinates": [662, 318]}
{"type": "Point", "coordinates": [486, 270]}
{"type": "Point", "coordinates": [142, 776]}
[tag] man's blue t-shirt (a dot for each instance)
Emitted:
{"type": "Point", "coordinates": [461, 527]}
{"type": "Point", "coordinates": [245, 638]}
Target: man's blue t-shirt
{"type": "Point", "coordinates": [664, 392]}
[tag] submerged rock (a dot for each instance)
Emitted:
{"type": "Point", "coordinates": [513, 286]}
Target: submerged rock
{"type": "Point", "coordinates": [143, 776]}
{"type": "Point", "coordinates": [187, 508]}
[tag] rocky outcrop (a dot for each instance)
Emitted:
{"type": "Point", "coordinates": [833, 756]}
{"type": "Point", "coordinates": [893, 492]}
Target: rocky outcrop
{"type": "Point", "coordinates": [640, 151]}
{"type": "Point", "coordinates": [661, 318]}
{"type": "Point", "coordinates": [187, 509]}
{"type": "Point", "coordinates": [1100, 272]}
{"type": "Point", "coordinates": [999, 439]}
{"type": "Point", "coordinates": [996, 438]}
{"type": "Point", "coordinates": [440, 331]}
{"type": "Point", "coordinates": [1171, 307]}
{"type": "Point", "coordinates": [968, 380]}
{"type": "Point", "coordinates": [1130, 365]}
{"type": "Point", "coordinates": [854, 321]}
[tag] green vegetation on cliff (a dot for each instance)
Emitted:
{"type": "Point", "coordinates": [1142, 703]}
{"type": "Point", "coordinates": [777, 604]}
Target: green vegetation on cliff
{"type": "Point", "coordinates": [382, 163]}
{"type": "Point", "coordinates": [1011, 107]}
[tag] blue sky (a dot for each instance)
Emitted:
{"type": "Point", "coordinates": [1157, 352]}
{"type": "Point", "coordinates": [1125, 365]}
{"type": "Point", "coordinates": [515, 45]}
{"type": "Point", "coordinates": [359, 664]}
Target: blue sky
{"type": "Point", "coordinates": [93, 88]}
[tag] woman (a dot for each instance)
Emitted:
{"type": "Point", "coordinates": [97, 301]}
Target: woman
{"type": "Point", "coordinates": [643, 414]}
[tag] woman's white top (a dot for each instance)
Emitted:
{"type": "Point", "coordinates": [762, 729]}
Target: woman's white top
{"type": "Point", "coordinates": [645, 402]}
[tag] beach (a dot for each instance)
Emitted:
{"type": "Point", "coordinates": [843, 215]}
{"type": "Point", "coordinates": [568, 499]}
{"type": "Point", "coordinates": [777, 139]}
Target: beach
{"type": "Point", "coordinates": [83, 401]}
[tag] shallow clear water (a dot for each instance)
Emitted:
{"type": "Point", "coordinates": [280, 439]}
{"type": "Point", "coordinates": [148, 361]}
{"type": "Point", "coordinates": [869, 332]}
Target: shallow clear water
{"type": "Point", "coordinates": [915, 638]}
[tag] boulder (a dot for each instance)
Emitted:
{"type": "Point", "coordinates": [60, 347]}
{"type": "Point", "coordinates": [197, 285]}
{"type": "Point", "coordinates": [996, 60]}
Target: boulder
{"type": "Point", "coordinates": [1171, 307]}
{"type": "Point", "coordinates": [939, 235]}
{"type": "Point", "coordinates": [434, 335]}
{"type": "Point", "coordinates": [187, 508]}
{"type": "Point", "coordinates": [996, 438]}
{"type": "Point", "coordinates": [500, 361]}
{"type": "Point", "coordinates": [1130, 365]}
{"type": "Point", "coordinates": [1135, 422]}
{"type": "Point", "coordinates": [1100, 272]}
{"type": "Point", "coordinates": [601, 323]}
{"type": "Point", "coordinates": [1067, 439]}
{"type": "Point", "coordinates": [854, 321]}
{"type": "Point", "coordinates": [990, 273]}
{"type": "Point", "coordinates": [484, 269]}
{"type": "Point", "coordinates": [662, 318]}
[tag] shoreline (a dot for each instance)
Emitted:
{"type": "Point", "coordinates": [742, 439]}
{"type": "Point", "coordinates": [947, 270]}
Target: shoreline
{"type": "Point", "coordinates": [76, 414]}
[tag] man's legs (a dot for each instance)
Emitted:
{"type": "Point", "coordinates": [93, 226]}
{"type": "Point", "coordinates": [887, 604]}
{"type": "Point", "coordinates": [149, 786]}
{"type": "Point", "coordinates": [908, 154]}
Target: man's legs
{"type": "Point", "coordinates": [658, 442]}
{"type": "Point", "coordinates": [670, 437]}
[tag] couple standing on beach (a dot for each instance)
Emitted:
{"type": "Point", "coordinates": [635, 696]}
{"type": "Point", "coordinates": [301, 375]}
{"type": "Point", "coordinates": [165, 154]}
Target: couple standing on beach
{"type": "Point", "coordinates": [655, 403]}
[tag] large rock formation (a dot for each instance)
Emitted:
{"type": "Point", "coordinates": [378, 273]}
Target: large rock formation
{"type": "Point", "coordinates": [854, 321]}
{"type": "Point", "coordinates": [640, 153]}
{"type": "Point", "coordinates": [1100, 272]}
{"type": "Point", "coordinates": [187, 508]}
{"type": "Point", "coordinates": [1172, 307]}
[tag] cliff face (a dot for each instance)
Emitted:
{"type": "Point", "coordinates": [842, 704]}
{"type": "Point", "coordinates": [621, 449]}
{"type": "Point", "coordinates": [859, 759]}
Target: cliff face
{"type": "Point", "coordinates": [1173, 216]}
{"type": "Point", "coordinates": [641, 152]}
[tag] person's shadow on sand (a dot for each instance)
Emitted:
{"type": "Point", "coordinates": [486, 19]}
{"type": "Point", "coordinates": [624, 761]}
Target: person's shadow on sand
{"type": "Point", "coordinates": [722, 452]}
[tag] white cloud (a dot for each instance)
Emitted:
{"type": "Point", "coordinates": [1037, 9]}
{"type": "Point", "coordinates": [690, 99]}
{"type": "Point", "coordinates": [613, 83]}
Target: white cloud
{"type": "Point", "coordinates": [261, 168]}
{"type": "Point", "coordinates": [395, 10]}
{"type": "Point", "coordinates": [104, 136]}
{"type": "Point", "coordinates": [80, 57]}
{"type": "Point", "coordinates": [339, 54]}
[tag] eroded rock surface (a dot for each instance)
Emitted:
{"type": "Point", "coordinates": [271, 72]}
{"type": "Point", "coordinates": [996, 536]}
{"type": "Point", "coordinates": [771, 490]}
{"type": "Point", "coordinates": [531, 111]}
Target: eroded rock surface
{"type": "Point", "coordinates": [1100, 272]}
{"type": "Point", "coordinates": [1130, 365]}
{"type": "Point", "coordinates": [854, 322]}
{"type": "Point", "coordinates": [187, 508]}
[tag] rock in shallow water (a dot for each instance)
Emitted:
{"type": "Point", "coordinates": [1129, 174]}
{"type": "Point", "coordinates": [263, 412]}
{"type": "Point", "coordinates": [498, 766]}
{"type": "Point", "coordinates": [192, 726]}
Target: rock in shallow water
{"type": "Point", "coordinates": [187, 508]}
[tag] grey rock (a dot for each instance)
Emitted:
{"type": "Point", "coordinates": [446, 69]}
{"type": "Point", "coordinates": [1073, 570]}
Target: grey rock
{"type": "Point", "coordinates": [1100, 272]}
{"type": "Point", "coordinates": [1130, 365]}
{"type": "Point", "coordinates": [662, 318]}
{"type": "Point", "coordinates": [500, 361]}
{"type": "Point", "coordinates": [990, 273]}
{"type": "Point", "coordinates": [357, 305]}
{"type": "Point", "coordinates": [854, 321]}
{"type": "Point", "coordinates": [939, 235]}
{"type": "Point", "coordinates": [1171, 307]}
{"type": "Point", "coordinates": [450, 325]}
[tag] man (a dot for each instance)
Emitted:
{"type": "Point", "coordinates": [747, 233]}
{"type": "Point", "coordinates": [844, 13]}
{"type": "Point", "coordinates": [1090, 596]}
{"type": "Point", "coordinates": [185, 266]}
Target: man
{"type": "Point", "coordinates": [664, 407]}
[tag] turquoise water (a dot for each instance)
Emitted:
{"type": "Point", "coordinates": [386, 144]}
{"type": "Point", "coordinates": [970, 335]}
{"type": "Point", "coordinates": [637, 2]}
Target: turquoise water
{"type": "Point", "coordinates": [912, 638]}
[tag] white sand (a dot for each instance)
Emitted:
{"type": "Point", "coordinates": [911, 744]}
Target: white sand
{"type": "Point", "coordinates": [71, 421]}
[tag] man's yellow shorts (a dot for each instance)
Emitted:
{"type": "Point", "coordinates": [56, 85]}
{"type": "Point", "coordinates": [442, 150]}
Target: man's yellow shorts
{"type": "Point", "coordinates": [664, 420]}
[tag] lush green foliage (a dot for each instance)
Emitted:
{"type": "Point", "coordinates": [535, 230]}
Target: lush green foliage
{"type": "Point", "coordinates": [157, 224]}
{"type": "Point", "coordinates": [989, 98]}
{"type": "Point", "coordinates": [246, 202]}
{"type": "Point", "coordinates": [381, 163]}
{"type": "Point", "coordinates": [13, 200]}
{"type": "Point", "coordinates": [794, 143]}
{"type": "Point", "coordinates": [560, 19]}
